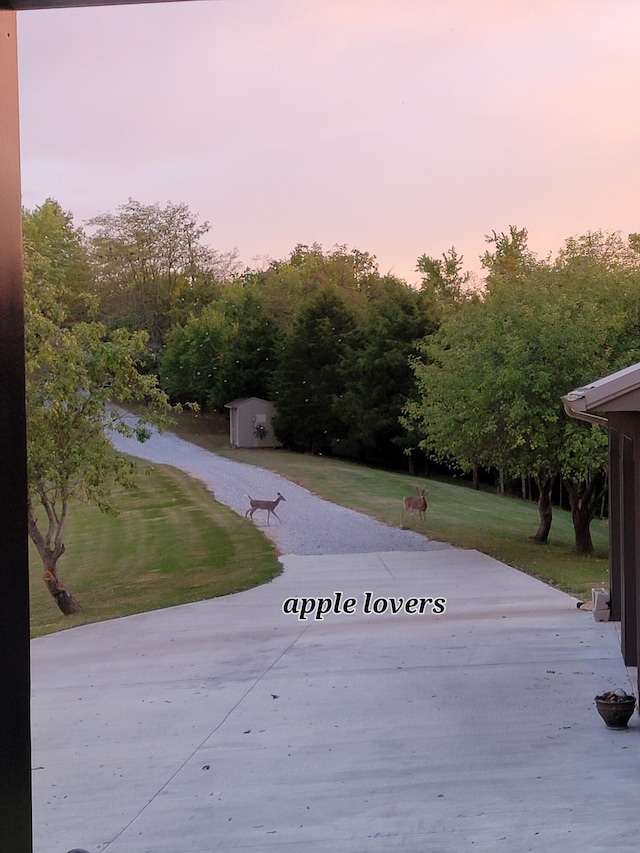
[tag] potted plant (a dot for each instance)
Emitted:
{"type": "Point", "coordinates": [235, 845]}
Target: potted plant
{"type": "Point", "coordinates": [616, 708]}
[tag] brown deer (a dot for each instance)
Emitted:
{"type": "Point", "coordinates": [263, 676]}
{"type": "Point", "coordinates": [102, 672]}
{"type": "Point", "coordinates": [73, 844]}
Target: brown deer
{"type": "Point", "coordinates": [270, 507]}
{"type": "Point", "coordinates": [411, 504]}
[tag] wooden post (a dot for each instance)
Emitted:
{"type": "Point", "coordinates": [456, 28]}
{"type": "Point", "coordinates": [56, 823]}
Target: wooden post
{"type": "Point", "coordinates": [15, 674]}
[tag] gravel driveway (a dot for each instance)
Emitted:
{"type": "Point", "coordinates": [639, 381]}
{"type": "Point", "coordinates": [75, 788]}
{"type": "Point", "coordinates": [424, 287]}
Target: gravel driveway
{"type": "Point", "coordinates": [308, 525]}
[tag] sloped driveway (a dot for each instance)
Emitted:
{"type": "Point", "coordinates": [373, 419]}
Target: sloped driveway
{"type": "Point", "coordinates": [235, 725]}
{"type": "Point", "coordinates": [309, 524]}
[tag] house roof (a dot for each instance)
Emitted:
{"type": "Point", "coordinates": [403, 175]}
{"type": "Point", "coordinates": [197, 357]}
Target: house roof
{"type": "Point", "coordinates": [618, 392]}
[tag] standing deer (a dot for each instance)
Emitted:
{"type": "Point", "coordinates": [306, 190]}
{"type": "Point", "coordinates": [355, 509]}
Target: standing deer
{"type": "Point", "coordinates": [411, 504]}
{"type": "Point", "coordinates": [270, 507]}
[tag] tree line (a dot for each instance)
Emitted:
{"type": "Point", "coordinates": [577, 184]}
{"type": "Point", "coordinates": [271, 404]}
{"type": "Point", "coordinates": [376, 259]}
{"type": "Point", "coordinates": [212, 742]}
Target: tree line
{"type": "Point", "coordinates": [358, 363]}
{"type": "Point", "coordinates": [490, 379]}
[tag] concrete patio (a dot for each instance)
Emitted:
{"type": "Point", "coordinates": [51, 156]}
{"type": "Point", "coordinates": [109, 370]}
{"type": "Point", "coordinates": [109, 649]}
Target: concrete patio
{"type": "Point", "coordinates": [229, 725]}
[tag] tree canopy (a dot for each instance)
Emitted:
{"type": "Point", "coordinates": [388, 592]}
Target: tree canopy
{"type": "Point", "coordinates": [307, 382]}
{"type": "Point", "coordinates": [230, 350]}
{"type": "Point", "coordinates": [491, 378]}
{"type": "Point", "coordinates": [152, 268]}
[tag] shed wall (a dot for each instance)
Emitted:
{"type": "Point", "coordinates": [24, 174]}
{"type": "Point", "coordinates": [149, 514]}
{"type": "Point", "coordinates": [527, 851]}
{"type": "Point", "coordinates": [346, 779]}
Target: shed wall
{"type": "Point", "coordinates": [243, 421]}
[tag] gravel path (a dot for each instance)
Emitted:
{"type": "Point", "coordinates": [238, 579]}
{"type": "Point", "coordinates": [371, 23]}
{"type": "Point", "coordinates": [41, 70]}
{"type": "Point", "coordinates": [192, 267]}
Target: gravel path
{"type": "Point", "coordinates": [309, 525]}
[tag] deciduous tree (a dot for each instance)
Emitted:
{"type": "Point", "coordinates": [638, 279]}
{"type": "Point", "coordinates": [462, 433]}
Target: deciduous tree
{"type": "Point", "coordinates": [228, 351]}
{"type": "Point", "coordinates": [492, 377]}
{"type": "Point", "coordinates": [56, 249]}
{"type": "Point", "coordinates": [445, 283]}
{"type": "Point", "coordinates": [152, 268]}
{"type": "Point", "coordinates": [73, 371]}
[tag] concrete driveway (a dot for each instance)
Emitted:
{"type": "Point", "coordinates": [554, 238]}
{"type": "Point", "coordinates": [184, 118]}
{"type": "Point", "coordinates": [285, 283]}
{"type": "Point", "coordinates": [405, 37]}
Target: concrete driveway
{"type": "Point", "coordinates": [230, 725]}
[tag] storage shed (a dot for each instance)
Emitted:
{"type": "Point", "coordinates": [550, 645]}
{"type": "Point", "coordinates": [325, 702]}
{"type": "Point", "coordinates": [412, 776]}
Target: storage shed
{"type": "Point", "coordinates": [250, 423]}
{"type": "Point", "coordinates": [618, 397]}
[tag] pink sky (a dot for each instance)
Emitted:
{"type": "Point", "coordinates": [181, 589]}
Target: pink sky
{"type": "Point", "coordinates": [397, 127]}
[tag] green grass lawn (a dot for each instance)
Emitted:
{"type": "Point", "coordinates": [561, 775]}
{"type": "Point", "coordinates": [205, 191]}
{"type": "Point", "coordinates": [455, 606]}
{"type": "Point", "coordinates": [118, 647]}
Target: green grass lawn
{"type": "Point", "coordinates": [171, 543]}
{"type": "Point", "coordinates": [496, 525]}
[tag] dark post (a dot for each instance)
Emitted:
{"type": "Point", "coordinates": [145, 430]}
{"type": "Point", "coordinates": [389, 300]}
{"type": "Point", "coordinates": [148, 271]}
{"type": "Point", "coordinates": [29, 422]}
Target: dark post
{"type": "Point", "coordinates": [615, 522]}
{"type": "Point", "coordinates": [628, 626]}
{"type": "Point", "coordinates": [15, 717]}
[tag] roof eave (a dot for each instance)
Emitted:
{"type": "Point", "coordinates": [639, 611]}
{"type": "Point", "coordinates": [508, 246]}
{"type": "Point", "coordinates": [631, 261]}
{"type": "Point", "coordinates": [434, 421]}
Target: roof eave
{"type": "Point", "coordinates": [575, 405]}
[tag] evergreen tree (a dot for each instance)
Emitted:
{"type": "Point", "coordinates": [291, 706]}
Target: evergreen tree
{"type": "Point", "coordinates": [307, 383]}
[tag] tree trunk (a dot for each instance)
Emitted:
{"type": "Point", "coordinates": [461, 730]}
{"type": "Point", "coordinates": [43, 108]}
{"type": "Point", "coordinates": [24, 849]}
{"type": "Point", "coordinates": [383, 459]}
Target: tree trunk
{"type": "Point", "coordinates": [545, 509]}
{"type": "Point", "coordinates": [61, 595]}
{"type": "Point", "coordinates": [581, 517]}
{"type": "Point", "coordinates": [475, 478]}
{"type": "Point", "coordinates": [51, 549]}
{"type": "Point", "coordinates": [582, 499]}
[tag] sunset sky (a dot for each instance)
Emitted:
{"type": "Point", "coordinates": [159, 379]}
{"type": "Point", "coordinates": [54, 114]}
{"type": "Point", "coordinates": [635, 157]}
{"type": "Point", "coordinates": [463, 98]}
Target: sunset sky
{"type": "Point", "coordinates": [397, 127]}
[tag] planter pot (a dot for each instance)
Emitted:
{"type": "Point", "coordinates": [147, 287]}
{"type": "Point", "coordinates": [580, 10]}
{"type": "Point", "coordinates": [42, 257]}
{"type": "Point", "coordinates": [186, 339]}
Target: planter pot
{"type": "Point", "coordinates": [616, 709]}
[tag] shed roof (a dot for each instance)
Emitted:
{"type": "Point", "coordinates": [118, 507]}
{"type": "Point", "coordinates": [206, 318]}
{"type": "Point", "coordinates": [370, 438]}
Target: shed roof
{"type": "Point", "coordinates": [618, 392]}
{"type": "Point", "coordinates": [241, 400]}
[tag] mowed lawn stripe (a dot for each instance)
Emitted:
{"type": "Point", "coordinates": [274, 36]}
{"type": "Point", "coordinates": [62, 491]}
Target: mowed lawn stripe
{"type": "Point", "coordinates": [170, 543]}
